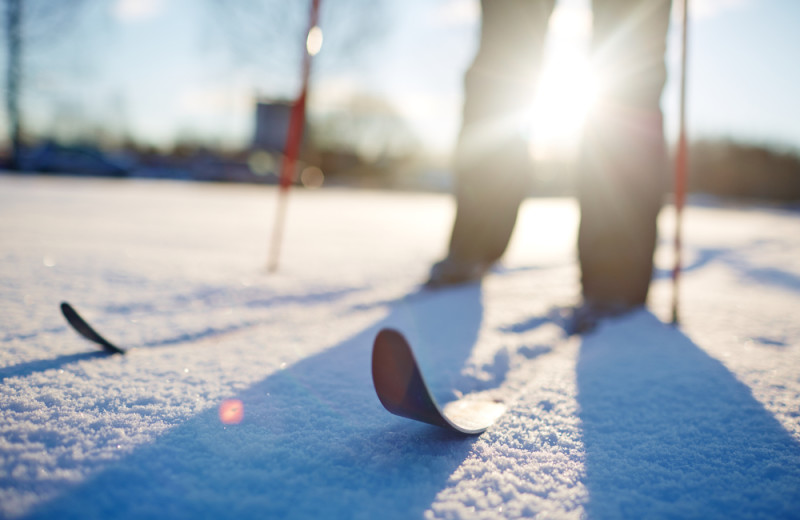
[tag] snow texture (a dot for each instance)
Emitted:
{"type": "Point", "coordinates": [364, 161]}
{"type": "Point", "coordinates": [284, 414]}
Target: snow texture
{"type": "Point", "coordinates": [638, 419]}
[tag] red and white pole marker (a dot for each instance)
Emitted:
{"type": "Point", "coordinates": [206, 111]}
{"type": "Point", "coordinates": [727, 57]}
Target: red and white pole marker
{"type": "Point", "coordinates": [681, 161]}
{"type": "Point", "coordinates": [294, 136]}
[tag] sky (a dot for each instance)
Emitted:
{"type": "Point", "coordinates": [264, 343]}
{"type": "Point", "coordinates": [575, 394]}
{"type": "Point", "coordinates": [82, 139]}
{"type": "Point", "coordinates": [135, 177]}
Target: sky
{"type": "Point", "coordinates": [166, 70]}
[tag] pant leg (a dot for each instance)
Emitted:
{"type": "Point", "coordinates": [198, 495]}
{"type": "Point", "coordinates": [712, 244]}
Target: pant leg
{"type": "Point", "coordinates": [623, 173]}
{"type": "Point", "coordinates": [492, 155]}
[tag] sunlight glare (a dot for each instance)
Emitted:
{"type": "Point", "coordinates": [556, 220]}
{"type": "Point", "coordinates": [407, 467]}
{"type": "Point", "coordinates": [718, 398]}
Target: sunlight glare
{"type": "Point", "coordinates": [565, 94]}
{"type": "Point", "coordinates": [567, 88]}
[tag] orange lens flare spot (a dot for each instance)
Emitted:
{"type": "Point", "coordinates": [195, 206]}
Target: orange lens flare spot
{"type": "Point", "coordinates": [231, 411]}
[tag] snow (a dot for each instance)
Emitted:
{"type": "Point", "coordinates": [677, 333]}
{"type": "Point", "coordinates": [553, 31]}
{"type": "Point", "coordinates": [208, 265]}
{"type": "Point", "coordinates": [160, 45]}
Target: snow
{"type": "Point", "coordinates": [638, 419]}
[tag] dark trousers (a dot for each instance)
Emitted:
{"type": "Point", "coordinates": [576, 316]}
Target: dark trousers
{"type": "Point", "coordinates": [622, 166]}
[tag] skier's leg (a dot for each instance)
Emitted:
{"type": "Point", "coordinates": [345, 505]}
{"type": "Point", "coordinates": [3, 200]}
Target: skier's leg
{"type": "Point", "coordinates": [623, 171]}
{"type": "Point", "coordinates": [492, 156]}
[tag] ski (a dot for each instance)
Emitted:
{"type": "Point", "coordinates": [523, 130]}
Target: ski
{"type": "Point", "coordinates": [84, 329]}
{"type": "Point", "coordinates": [402, 390]}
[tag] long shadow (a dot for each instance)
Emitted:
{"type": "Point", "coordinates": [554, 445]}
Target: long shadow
{"type": "Point", "coordinates": [31, 367]}
{"type": "Point", "coordinates": [256, 302]}
{"type": "Point", "coordinates": [732, 258]}
{"type": "Point", "coordinates": [22, 336]}
{"type": "Point", "coordinates": [197, 335]}
{"type": "Point", "coordinates": [314, 442]}
{"type": "Point", "coordinates": [221, 296]}
{"type": "Point", "coordinates": [769, 276]}
{"type": "Point", "coordinates": [703, 257]}
{"type": "Point", "coordinates": [212, 297]}
{"type": "Point", "coordinates": [669, 432]}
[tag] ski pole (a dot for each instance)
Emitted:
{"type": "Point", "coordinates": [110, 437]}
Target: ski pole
{"type": "Point", "coordinates": [294, 137]}
{"type": "Point", "coordinates": [680, 173]}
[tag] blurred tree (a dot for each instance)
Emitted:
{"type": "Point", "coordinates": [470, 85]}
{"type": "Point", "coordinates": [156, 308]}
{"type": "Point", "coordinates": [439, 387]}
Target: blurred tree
{"type": "Point", "coordinates": [29, 24]}
{"type": "Point", "coordinates": [13, 76]}
{"type": "Point", "coordinates": [266, 35]}
{"type": "Point", "coordinates": [367, 126]}
{"type": "Point", "coordinates": [732, 169]}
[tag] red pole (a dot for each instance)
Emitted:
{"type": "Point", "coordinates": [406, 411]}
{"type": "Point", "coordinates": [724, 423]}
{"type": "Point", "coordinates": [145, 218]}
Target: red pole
{"type": "Point", "coordinates": [294, 137]}
{"type": "Point", "coordinates": [681, 157]}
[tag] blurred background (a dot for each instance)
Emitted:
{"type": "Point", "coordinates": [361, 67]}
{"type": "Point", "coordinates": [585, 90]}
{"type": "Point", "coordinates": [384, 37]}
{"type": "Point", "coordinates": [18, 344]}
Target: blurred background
{"type": "Point", "coordinates": [201, 90]}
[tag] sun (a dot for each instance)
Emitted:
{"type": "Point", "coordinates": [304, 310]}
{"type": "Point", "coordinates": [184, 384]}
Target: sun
{"type": "Point", "coordinates": [563, 98]}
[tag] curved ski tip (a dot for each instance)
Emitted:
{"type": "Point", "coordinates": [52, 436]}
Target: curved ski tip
{"type": "Point", "coordinates": [391, 338]}
{"type": "Point", "coordinates": [394, 371]}
{"type": "Point", "coordinates": [401, 389]}
{"type": "Point", "coordinates": [84, 329]}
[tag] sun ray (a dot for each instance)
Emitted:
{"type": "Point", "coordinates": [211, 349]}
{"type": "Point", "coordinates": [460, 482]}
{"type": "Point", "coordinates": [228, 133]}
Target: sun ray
{"type": "Point", "coordinates": [567, 87]}
{"type": "Point", "coordinates": [565, 93]}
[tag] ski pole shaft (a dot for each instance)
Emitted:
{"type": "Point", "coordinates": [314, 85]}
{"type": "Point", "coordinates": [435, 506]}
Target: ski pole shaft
{"type": "Point", "coordinates": [681, 161]}
{"type": "Point", "coordinates": [294, 138]}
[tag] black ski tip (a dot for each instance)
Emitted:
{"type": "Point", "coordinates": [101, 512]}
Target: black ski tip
{"type": "Point", "coordinates": [84, 329]}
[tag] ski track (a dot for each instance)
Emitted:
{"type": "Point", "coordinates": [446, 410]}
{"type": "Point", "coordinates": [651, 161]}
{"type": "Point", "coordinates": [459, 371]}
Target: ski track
{"type": "Point", "coordinates": [638, 419]}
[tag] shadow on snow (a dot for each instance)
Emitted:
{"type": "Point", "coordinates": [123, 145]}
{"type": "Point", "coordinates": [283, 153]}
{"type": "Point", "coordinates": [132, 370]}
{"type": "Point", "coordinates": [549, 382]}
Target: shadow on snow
{"type": "Point", "coordinates": [32, 367]}
{"type": "Point", "coordinates": [315, 441]}
{"type": "Point", "coordinates": [669, 432]}
{"type": "Point", "coordinates": [777, 278]}
{"type": "Point", "coordinates": [213, 331]}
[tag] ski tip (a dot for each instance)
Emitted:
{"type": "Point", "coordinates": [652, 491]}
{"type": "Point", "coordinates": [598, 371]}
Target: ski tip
{"type": "Point", "coordinates": [402, 390]}
{"type": "Point", "coordinates": [83, 328]}
{"type": "Point", "coordinates": [398, 381]}
{"type": "Point", "coordinates": [393, 368]}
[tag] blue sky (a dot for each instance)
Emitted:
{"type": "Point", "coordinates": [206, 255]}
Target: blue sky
{"type": "Point", "coordinates": [162, 69]}
{"type": "Point", "coordinates": [744, 74]}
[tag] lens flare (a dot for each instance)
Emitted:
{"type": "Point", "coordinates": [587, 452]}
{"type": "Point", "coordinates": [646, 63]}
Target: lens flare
{"type": "Point", "coordinates": [314, 41]}
{"type": "Point", "coordinates": [231, 411]}
{"type": "Point", "coordinates": [261, 162]}
{"type": "Point", "coordinates": [312, 177]}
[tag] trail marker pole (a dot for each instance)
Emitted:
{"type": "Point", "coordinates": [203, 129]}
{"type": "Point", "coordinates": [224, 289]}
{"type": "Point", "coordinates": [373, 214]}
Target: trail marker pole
{"type": "Point", "coordinates": [294, 137]}
{"type": "Point", "coordinates": [680, 173]}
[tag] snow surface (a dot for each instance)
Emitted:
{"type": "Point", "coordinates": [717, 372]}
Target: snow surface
{"type": "Point", "coordinates": [636, 420]}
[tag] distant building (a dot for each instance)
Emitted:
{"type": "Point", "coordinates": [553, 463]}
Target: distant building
{"type": "Point", "coordinates": [272, 124]}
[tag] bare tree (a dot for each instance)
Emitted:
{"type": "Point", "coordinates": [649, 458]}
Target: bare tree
{"type": "Point", "coordinates": [13, 76]}
{"type": "Point", "coordinates": [367, 125]}
{"type": "Point", "coordinates": [265, 35]}
{"type": "Point", "coordinates": [29, 24]}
